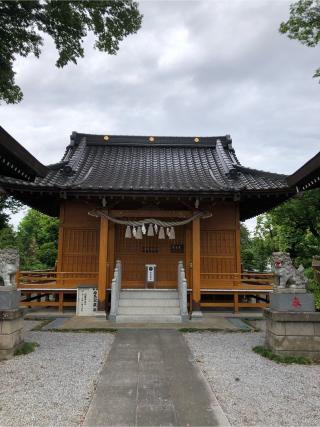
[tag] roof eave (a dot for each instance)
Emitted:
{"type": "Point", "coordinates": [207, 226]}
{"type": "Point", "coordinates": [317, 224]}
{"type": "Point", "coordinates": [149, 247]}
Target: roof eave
{"type": "Point", "coordinates": [20, 155]}
{"type": "Point", "coordinates": [306, 170]}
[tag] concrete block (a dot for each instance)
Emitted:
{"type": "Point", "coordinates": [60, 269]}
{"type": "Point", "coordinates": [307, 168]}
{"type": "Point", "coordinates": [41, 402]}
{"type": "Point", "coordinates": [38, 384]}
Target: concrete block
{"type": "Point", "coordinates": [275, 342]}
{"type": "Point", "coordinates": [196, 315]}
{"type": "Point", "coordinates": [277, 328]}
{"type": "Point", "coordinates": [10, 341]}
{"type": "Point", "coordinates": [316, 326]}
{"type": "Point", "coordinates": [149, 294]}
{"type": "Point", "coordinates": [127, 318]}
{"type": "Point", "coordinates": [293, 344]}
{"type": "Point", "coordinates": [298, 328]}
{"type": "Point", "coordinates": [144, 302]}
{"type": "Point", "coordinates": [7, 354]}
{"type": "Point", "coordinates": [289, 316]}
{"type": "Point", "coordinates": [145, 310]}
{"type": "Point", "coordinates": [10, 326]}
{"type": "Point", "coordinates": [289, 302]}
{"type": "Point", "coordinates": [9, 298]}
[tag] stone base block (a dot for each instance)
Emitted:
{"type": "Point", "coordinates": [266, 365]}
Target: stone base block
{"type": "Point", "coordinates": [295, 302]}
{"type": "Point", "coordinates": [196, 314]}
{"type": "Point", "coordinates": [296, 334]}
{"type": "Point", "coordinates": [11, 332]}
{"type": "Point", "coordinates": [9, 298]}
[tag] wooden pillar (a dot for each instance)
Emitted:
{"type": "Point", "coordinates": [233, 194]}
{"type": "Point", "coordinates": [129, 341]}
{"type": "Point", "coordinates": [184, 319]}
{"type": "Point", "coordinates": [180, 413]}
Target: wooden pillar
{"type": "Point", "coordinates": [103, 256]}
{"type": "Point", "coordinates": [238, 239]}
{"type": "Point", "coordinates": [60, 265]}
{"type": "Point", "coordinates": [236, 302]}
{"type": "Point", "coordinates": [111, 252]}
{"type": "Point", "coordinates": [196, 264]}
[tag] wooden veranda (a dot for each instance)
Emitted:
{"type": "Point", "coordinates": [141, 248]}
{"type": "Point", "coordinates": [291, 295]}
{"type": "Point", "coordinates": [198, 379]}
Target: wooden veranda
{"type": "Point", "coordinates": [52, 289]}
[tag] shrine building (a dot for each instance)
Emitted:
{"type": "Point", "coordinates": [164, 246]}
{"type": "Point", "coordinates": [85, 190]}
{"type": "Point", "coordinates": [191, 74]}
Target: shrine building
{"type": "Point", "coordinates": [168, 209]}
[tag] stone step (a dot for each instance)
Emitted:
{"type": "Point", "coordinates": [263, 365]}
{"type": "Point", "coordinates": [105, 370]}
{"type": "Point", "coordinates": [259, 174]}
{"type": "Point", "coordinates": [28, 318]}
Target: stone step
{"type": "Point", "coordinates": [147, 302]}
{"type": "Point", "coordinates": [149, 294]}
{"type": "Point", "coordinates": [146, 310]}
{"type": "Point", "coordinates": [127, 318]}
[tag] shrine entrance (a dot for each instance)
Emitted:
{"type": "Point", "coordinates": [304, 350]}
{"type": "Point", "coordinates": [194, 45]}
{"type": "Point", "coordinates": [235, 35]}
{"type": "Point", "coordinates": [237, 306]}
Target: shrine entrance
{"type": "Point", "coordinates": [164, 253]}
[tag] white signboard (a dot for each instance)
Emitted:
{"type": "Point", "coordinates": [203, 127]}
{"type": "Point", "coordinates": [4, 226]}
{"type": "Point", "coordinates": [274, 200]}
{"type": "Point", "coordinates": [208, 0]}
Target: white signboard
{"type": "Point", "coordinates": [87, 301]}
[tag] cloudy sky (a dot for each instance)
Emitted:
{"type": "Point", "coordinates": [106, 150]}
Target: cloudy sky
{"type": "Point", "coordinates": [195, 68]}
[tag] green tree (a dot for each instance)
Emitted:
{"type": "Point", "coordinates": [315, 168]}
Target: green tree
{"type": "Point", "coordinates": [247, 255]}
{"type": "Point", "coordinates": [37, 239]}
{"type": "Point", "coordinates": [7, 205]}
{"type": "Point", "coordinates": [7, 237]}
{"type": "Point", "coordinates": [304, 24]}
{"type": "Point", "coordinates": [294, 227]}
{"type": "Point", "coordinates": [255, 250]}
{"type": "Point", "coordinates": [22, 24]}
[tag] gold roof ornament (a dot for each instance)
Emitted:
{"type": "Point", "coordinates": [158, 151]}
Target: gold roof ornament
{"type": "Point", "coordinates": [106, 138]}
{"type": "Point", "coordinates": [196, 140]}
{"type": "Point", "coordinates": [151, 139]}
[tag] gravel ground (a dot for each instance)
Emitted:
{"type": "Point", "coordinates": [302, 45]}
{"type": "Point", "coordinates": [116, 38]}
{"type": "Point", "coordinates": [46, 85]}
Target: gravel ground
{"type": "Point", "coordinates": [52, 386]}
{"type": "Point", "coordinates": [253, 390]}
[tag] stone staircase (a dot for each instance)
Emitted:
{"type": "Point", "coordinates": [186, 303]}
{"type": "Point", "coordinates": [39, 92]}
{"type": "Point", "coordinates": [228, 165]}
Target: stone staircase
{"type": "Point", "coordinates": [149, 305]}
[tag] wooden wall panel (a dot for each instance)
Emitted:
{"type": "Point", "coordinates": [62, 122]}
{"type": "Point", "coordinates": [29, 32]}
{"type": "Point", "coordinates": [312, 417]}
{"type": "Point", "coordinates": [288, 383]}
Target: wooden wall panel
{"type": "Point", "coordinates": [78, 238]}
{"type": "Point", "coordinates": [134, 254]}
{"type": "Point", "coordinates": [218, 243]}
{"type": "Point", "coordinates": [224, 216]}
{"type": "Point", "coordinates": [219, 247]}
{"type": "Point", "coordinates": [80, 250]}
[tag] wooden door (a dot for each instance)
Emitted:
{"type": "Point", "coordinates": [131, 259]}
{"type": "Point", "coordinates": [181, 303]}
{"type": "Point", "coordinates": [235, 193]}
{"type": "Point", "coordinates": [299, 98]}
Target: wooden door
{"type": "Point", "coordinates": [135, 254]}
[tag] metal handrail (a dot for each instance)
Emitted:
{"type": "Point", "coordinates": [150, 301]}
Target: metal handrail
{"type": "Point", "coordinates": [115, 291]}
{"type": "Point", "coordinates": [183, 292]}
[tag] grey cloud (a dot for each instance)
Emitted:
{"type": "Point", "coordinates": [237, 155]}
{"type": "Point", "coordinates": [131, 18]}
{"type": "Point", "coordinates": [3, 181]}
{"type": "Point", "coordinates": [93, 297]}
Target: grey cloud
{"type": "Point", "coordinates": [195, 68]}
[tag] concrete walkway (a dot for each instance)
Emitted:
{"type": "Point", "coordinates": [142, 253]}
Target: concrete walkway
{"type": "Point", "coordinates": [213, 323]}
{"type": "Point", "coordinates": [149, 380]}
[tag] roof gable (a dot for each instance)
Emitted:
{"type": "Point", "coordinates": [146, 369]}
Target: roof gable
{"type": "Point", "coordinates": [165, 164]}
{"type": "Point", "coordinates": [16, 161]}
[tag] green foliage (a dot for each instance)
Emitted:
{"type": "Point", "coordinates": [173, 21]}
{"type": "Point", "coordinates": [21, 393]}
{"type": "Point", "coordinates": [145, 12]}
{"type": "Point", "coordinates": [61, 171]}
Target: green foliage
{"type": "Point", "coordinates": [313, 286]}
{"type": "Point", "coordinates": [255, 251]}
{"type": "Point", "coordinates": [37, 239]}
{"type": "Point", "coordinates": [292, 227]}
{"type": "Point", "coordinates": [269, 354]}
{"type": "Point", "coordinates": [7, 237]}
{"type": "Point", "coordinates": [68, 22]}
{"type": "Point", "coordinates": [26, 348]}
{"type": "Point", "coordinates": [7, 204]}
{"type": "Point", "coordinates": [304, 24]}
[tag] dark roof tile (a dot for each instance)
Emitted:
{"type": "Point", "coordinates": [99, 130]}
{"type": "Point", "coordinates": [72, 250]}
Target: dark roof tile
{"type": "Point", "coordinates": [168, 164]}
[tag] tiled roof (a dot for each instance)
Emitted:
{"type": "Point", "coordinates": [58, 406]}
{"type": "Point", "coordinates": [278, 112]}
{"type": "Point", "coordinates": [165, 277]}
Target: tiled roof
{"type": "Point", "coordinates": [308, 176]}
{"type": "Point", "coordinates": [154, 164]}
{"type": "Point", "coordinates": [16, 161]}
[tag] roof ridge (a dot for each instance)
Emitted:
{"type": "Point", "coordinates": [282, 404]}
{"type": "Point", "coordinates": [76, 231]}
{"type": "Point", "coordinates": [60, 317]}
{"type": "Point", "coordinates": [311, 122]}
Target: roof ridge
{"type": "Point", "coordinates": [244, 168]}
{"type": "Point", "coordinates": [196, 141]}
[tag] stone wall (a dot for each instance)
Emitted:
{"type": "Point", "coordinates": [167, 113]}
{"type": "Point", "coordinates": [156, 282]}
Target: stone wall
{"type": "Point", "coordinates": [289, 333]}
{"type": "Point", "coordinates": [11, 332]}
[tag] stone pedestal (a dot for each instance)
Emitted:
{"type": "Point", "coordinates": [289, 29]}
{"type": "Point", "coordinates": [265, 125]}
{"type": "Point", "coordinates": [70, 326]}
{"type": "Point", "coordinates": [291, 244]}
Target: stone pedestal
{"type": "Point", "coordinates": [9, 298]}
{"type": "Point", "coordinates": [293, 333]}
{"type": "Point", "coordinates": [292, 300]}
{"type": "Point", "coordinates": [11, 322]}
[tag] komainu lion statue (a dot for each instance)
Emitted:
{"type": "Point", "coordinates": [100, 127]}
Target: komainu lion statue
{"type": "Point", "coordinates": [286, 275]}
{"type": "Point", "coordinates": [9, 265]}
